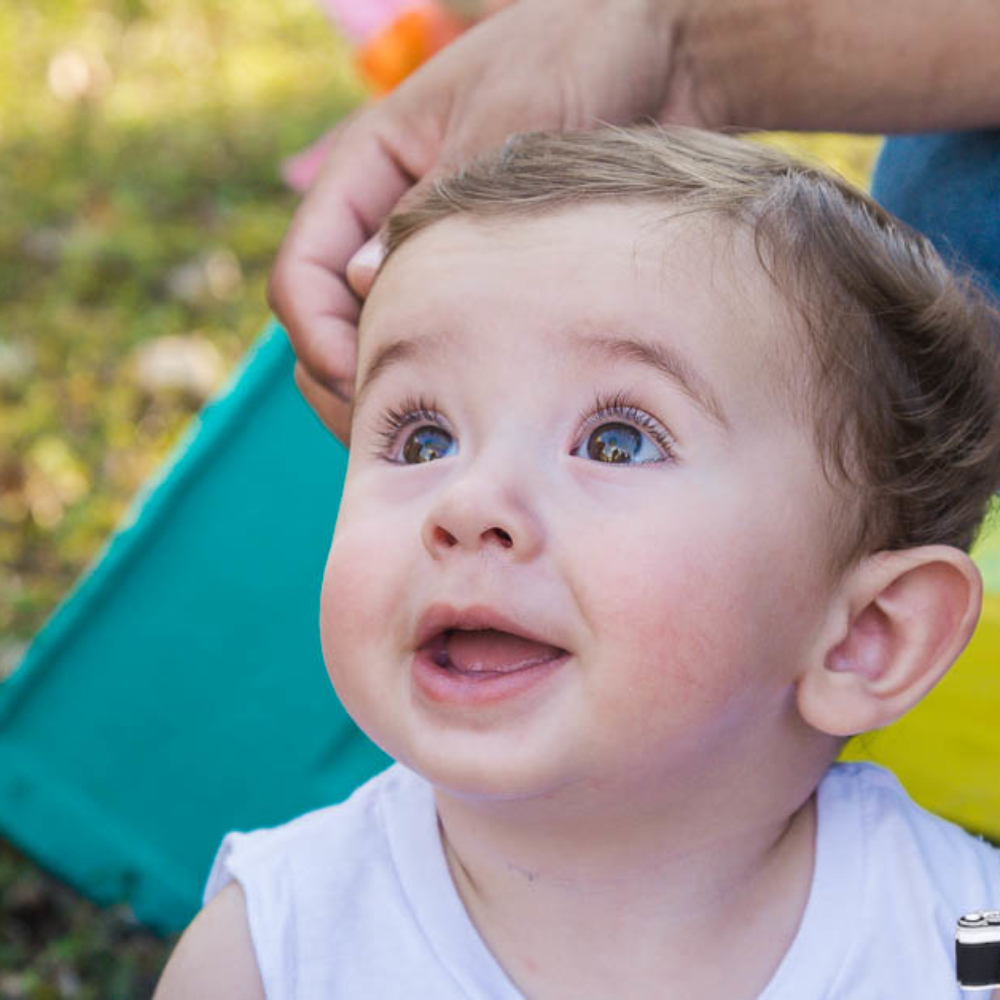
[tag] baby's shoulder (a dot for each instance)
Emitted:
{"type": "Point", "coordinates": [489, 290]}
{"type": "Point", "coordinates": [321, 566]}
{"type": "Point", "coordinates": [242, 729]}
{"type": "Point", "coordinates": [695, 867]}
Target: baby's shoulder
{"type": "Point", "coordinates": [297, 855]}
{"type": "Point", "coordinates": [890, 882]}
{"type": "Point", "coordinates": [913, 875]}
{"type": "Point", "coordinates": [868, 803]}
{"type": "Point", "coordinates": [274, 893]}
{"type": "Point", "coordinates": [195, 968]}
{"type": "Point", "coordinates": [324, 894]}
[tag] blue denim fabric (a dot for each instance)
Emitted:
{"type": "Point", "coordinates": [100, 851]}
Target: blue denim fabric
{"type": "Point", "coordinates": [947, 185]}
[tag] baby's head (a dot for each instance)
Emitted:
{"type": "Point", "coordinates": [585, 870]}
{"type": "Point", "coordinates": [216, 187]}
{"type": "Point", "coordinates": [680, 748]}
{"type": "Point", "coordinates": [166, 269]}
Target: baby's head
{"type": "Point", "coordinates": [666, 457]}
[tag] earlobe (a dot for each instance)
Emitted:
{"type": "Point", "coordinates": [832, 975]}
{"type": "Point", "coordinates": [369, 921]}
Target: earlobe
{"type": "Point", "coordinates": [900, 619]}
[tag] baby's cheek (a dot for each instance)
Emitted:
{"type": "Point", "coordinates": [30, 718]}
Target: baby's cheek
{"type": "Point", "coordinates": [680, 629]}
{"type": "Point", "coordinates": [351, 605]}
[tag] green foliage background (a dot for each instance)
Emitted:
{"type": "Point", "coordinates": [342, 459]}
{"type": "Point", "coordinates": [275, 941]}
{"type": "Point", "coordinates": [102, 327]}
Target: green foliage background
{"type": "Point", "coordinates": [139, 199]}
{"type": "Point", "coordinates": [140, 142]}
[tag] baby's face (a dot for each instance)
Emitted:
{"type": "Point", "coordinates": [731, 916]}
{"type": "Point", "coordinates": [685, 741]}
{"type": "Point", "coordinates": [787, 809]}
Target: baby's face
{"type": "Point", "coordinates": [581, 536]}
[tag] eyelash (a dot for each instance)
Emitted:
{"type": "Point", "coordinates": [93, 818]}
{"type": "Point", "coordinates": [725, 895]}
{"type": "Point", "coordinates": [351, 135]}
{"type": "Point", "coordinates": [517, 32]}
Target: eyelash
{"type": "Point", "coordinates": [620, 406]}
{"type": "Point", "coordinates": [412, 412]}
{"type": "Point", "coordinates": [419, 410]}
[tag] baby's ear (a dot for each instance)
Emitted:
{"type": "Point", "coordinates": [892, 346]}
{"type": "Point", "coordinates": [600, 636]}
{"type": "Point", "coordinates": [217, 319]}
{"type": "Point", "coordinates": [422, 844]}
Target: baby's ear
{"type": "Point", "coordinates": [898, 621]}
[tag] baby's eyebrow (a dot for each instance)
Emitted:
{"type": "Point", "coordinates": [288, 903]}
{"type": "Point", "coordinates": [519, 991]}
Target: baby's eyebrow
{"type": "Point", "coordinates": [664, 359]}
{"type": "Point", "coordinates": [393, 353]}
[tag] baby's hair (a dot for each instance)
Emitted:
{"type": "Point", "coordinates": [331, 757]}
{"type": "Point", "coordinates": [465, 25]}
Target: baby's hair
{"type": "Point", "coordinates": [904, 387]}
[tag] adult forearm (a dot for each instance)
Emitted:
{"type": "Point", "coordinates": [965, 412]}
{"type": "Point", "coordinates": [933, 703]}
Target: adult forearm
{"type": "Point", "coordinates": [895, 65]}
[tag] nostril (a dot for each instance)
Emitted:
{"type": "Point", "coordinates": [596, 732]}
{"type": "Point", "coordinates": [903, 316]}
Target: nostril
{"type": "Point", "coordinates": [440, 538]}
{"type": "Point", "coordinates": [444, 537]}
{"type": "Point", "coordinates": [502, 537]}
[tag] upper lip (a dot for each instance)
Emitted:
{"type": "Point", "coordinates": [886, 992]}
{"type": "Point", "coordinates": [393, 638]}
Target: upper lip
{"type": "Point", "coordinates": [440, 618]}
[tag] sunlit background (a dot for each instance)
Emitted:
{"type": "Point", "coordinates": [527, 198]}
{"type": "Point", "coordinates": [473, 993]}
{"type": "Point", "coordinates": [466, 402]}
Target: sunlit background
{"type": "Point", "coordinates": [140, 207]}
{"type": "Point", "coordinates": [140, 142]}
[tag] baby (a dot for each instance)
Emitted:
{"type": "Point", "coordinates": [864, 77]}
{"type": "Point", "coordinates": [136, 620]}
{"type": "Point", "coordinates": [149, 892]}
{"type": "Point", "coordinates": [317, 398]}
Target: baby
{"type": "Point", "coordinates": [667, 454]}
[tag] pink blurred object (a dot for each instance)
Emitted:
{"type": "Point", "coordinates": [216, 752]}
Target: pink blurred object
{"type": "Point", "coordinates": [299, 171]}
{"type": "Point", "coordinates": [360, 20]}
{"type": "Point", "coordinates": [390, 38]}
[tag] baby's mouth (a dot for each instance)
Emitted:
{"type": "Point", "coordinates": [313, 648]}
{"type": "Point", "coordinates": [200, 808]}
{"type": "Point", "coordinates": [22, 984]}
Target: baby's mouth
{"type": "Point", "coordinates": [488, 652]}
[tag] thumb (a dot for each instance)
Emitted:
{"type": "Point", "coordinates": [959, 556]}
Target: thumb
{"type": "Point", "coordinates": [364, 265]}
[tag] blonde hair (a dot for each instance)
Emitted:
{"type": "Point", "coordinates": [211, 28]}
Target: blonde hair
{"type": "Point", "coordinates": [905, 379]}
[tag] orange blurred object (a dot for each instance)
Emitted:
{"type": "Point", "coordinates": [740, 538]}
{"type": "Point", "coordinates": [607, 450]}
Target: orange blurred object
{"type": "Point", "coordinates": [406, 43]}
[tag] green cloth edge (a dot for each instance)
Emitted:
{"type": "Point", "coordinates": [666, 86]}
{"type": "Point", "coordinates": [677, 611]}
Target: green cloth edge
{"type": "Point", "coordinates": [62, 825]}
{"type": "Point", "coordinates": [260, 368]}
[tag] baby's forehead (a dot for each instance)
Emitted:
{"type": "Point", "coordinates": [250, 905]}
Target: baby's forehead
{"type": "Point", "coordinates": [650, 268]}
{"type": "Point", "coordinates": [657, 244]}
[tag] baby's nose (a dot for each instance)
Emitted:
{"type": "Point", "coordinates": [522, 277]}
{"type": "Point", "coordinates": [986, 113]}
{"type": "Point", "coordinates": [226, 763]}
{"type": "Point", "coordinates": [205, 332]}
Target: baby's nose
{"type": "Point", "coordinates": [489, 536]}
{"type": "Point", "coordinates": [475, 515]}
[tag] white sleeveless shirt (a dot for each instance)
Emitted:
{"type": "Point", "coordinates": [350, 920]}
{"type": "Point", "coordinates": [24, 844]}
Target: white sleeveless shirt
{"type": "Point", "coordinates": [356, 900]}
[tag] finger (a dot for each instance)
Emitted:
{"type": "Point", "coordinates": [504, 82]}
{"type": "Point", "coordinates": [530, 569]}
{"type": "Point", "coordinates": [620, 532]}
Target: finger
{"type": "Point", "coordinates": [332, 409]}
{"type": "Point", "coordinates": [308, 288]}
{"type": "Point", "coordinates": [364, 265]}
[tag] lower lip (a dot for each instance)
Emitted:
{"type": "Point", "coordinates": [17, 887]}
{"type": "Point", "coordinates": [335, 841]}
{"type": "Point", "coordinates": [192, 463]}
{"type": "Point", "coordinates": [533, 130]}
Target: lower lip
{"type": "Point", "coordinates": [452, 687]}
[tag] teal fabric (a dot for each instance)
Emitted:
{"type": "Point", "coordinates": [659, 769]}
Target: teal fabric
{"type": "Point", "coordinates": [179, 691]}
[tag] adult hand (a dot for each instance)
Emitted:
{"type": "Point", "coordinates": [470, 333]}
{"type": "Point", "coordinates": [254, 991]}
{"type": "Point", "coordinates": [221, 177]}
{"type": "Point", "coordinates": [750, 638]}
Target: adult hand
{"type": "Point", "coordinates": [539, 64]}
{"type": "Point", "coordinates": [570, 64]}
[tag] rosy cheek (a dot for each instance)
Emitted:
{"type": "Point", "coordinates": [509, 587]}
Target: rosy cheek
{"type": "Point", "coordinates": [351, 603]}
{"type": "Point", "coordinates": [665, 611]}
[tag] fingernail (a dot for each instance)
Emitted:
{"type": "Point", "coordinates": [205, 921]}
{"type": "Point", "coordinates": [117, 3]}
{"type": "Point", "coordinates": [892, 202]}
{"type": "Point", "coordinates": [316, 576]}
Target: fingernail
{"type": "Point", "coordinates": [370, 255]}
{"type": "Point", "coordinates": [362, 267]}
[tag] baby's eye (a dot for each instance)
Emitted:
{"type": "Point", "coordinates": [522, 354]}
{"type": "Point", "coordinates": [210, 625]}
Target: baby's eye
{"type": "Point", "coordinates": [426, 444]}
{"type": "Point", "coordinates": [414, 433]}
{"type": "Point", "coordinates": [617, 431]}
{"type": "Point", "coordinates": [621, 444]}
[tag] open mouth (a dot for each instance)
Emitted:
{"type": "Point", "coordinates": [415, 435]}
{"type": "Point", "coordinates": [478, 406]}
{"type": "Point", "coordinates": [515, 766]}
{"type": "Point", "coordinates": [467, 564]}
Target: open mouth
{"type": "Point", "coordinates": [485, 653]}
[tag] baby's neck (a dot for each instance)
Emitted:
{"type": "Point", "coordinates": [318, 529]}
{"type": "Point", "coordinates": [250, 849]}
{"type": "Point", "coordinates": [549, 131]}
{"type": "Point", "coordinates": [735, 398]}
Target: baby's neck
{"type": "Point", "coordinates": [622, 908]}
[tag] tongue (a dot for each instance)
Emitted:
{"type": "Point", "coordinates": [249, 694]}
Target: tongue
{"type": "Point", "coordinates": [487, 650]}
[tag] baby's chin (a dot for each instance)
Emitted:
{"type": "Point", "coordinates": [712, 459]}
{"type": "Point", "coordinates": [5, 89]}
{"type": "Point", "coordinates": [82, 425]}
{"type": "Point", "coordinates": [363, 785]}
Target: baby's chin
{"type": "Point", "coordinates": [487, 770]}
{"type": "Point", "coordinates": [492, 786]}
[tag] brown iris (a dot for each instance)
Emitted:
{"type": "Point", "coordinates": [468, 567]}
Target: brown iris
{"type": "Point", "coordinates": [614, 443]}
{"type": "Point", "coordinates": [426, 444]}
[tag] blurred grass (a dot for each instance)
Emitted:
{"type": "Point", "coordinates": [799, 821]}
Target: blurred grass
{"type": "Point", "coordinates": [139, 149]}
